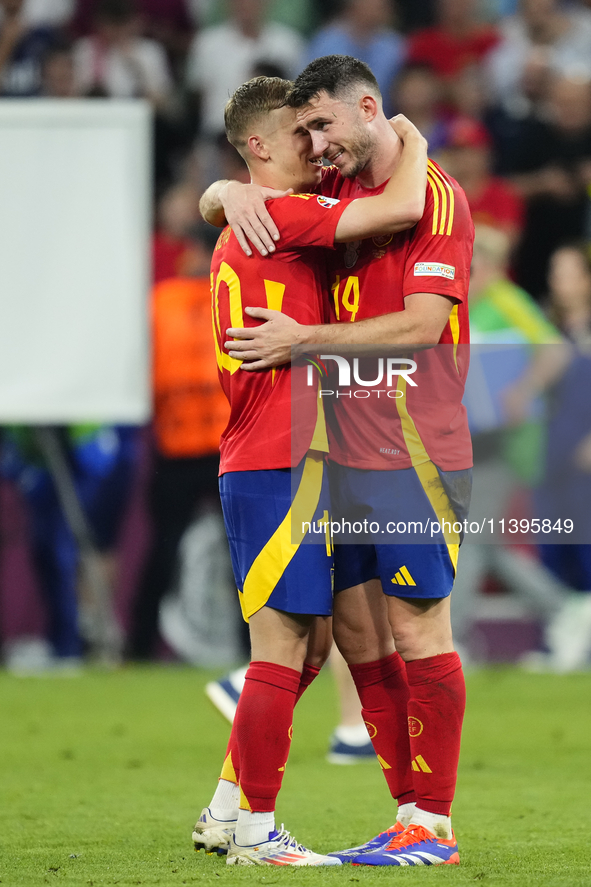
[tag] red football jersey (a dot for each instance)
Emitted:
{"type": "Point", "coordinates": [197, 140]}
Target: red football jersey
{"type": "Point", "coordinates": [293, 280]}
{"type": "Point", "coordinates": [373, 277]}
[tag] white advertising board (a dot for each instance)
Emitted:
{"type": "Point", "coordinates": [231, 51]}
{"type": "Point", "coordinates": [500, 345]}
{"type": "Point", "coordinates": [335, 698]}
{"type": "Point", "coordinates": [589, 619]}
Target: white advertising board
{"type": "Point", "coordinates": [74, 261]}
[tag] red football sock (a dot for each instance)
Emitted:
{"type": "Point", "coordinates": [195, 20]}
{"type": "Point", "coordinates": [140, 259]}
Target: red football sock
{"type": "Point", "coordinates": [436, 711]}
{"type": "Point", "coordinates": [263, 727]}
{"type": "Point", "coordinates": [231, 768]}
{"type": "Point", "coordinates": [383, 691]}
{"type": "Point", "coordinates": [309, 673]}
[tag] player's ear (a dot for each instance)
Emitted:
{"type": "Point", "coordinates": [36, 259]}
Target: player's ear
{"type": "Point", "coordinates": [369, 107]}
{"type": "Point", "coordinates": [258, 147]}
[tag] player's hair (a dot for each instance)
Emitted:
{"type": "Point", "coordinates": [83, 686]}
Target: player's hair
{"type": "Point", "coordinates": [250, 103]}
{"type": "Point", "coordinates": [338, 75]}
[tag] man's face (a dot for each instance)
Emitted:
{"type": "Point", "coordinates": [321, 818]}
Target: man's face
{"type": "Point", "coordinates": [292, 154]}
{"type": "Point", "coordinates": [339, 133]}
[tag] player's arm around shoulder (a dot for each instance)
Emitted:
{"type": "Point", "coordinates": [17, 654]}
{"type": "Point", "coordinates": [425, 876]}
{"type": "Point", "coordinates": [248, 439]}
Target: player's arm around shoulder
{"type": "Point", "coordinates": [243, 207]}
{"type": "Point", "coordinates": [402, 203]}
{"type": "Point", "coordinates": [437, 268]}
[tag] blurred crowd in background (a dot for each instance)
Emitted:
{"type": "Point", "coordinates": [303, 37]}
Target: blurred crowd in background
{"type": "Point", "coordinates": [501, 89]}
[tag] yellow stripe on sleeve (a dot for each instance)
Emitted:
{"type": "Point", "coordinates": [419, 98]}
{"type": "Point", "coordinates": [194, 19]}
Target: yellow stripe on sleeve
{"type": "Point", "coordinates": [440, 227]}
{"type": "Point", "coordinates": [435, 191]}
{"type": "Point", "coordinates": [447, 191]}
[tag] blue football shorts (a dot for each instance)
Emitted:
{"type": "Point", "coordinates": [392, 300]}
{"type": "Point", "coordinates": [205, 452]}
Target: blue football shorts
{"type": "Point", "coordinates": [394, 504]}
{"type": "Point", "coordinates": [265, 513]}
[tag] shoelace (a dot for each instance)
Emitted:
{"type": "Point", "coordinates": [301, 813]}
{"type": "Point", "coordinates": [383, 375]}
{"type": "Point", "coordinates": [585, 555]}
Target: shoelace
{"type": "Point", "coordinates": [284, 837]}
{"type": "Point", "coordinates": [413, 834]}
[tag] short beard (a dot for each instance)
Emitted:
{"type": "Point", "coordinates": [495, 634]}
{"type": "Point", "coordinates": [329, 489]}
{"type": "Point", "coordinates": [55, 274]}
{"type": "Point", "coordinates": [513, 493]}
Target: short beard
{"type": "Point", "coordinates": [361, 151]}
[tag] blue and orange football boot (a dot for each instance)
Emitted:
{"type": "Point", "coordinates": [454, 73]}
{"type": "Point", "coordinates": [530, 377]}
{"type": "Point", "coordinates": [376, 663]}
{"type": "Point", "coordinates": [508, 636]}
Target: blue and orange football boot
{"type": "Point", "coordinates": [376, 843]}
{"type": "Point", "coordinates": [416, 845]}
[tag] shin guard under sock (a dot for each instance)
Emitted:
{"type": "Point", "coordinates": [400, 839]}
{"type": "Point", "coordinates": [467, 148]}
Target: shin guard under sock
{"type": "Point", "coordinates": [436, 712]}
{"type": "Point", "coordinates": [263, 728]}
{"type": "Point", "coordinates": [383, 691]}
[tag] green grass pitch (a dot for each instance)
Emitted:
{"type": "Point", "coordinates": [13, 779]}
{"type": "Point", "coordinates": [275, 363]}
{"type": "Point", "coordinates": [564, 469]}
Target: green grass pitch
{"type": "Point", "coordinates": [102, 777]}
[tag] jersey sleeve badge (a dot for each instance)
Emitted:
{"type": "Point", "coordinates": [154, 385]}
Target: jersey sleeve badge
{"type": "Point", "coordinates": [326, 202]}
{"type": "Point", "coordinates": [434, 269]}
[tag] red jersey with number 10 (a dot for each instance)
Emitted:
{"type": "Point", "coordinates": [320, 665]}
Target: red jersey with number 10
{"type": "Point", "coordinates": [293, 280]}
{"type": "Point", "coordinates": [372, 277]}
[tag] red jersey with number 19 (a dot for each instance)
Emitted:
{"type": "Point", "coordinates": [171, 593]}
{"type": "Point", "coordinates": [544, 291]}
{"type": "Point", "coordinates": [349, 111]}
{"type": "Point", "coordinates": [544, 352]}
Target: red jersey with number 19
{"type": "Point", "coordinates": [382, 429]}
{"type": "Point", "coordinates": [294, 280]}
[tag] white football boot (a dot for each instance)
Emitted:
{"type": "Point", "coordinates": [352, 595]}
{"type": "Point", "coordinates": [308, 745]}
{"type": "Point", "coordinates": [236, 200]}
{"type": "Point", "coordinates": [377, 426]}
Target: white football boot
{"type": "Point", "coordinates": [211, 834]}
{"type": "Point", "coordinates": [280, 849]}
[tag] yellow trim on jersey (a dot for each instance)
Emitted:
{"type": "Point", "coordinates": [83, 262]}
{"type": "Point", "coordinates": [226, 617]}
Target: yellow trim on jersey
{"type": "Point", "coordinates": [443, 202]}
{"type": "Point", "coordinates": [428, 476]}
{"type": "Point", "coordinates": [447, 201]}
{"type": "Point", "coordinates": [436, 204]}
{"type": "Point", "coordinates": [274, 291]}
{"type": "Point", "coordinates": [270, 564]}
{"type": "Point", "coordinates": [454, 325]}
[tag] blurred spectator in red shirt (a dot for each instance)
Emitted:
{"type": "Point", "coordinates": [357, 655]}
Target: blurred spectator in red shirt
{"type": "Point", "coordinates": [416, 93]}
{"type": "Point", "coordinates": [458, 39]}
{"type": "Point", "coordinates": [468, 158]}
{"type": "Point", "coordinates": [172, 244]}
{"type": "Point", "coordinates": [22, 48]}
{"type": "Point", "coordinates": [115, 61]}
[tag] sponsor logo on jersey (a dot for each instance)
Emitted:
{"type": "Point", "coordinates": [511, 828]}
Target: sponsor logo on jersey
{"type": "Point", "coordinates": [326, 202]}
{"type": "Point", "coordinates": [434, 269]}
